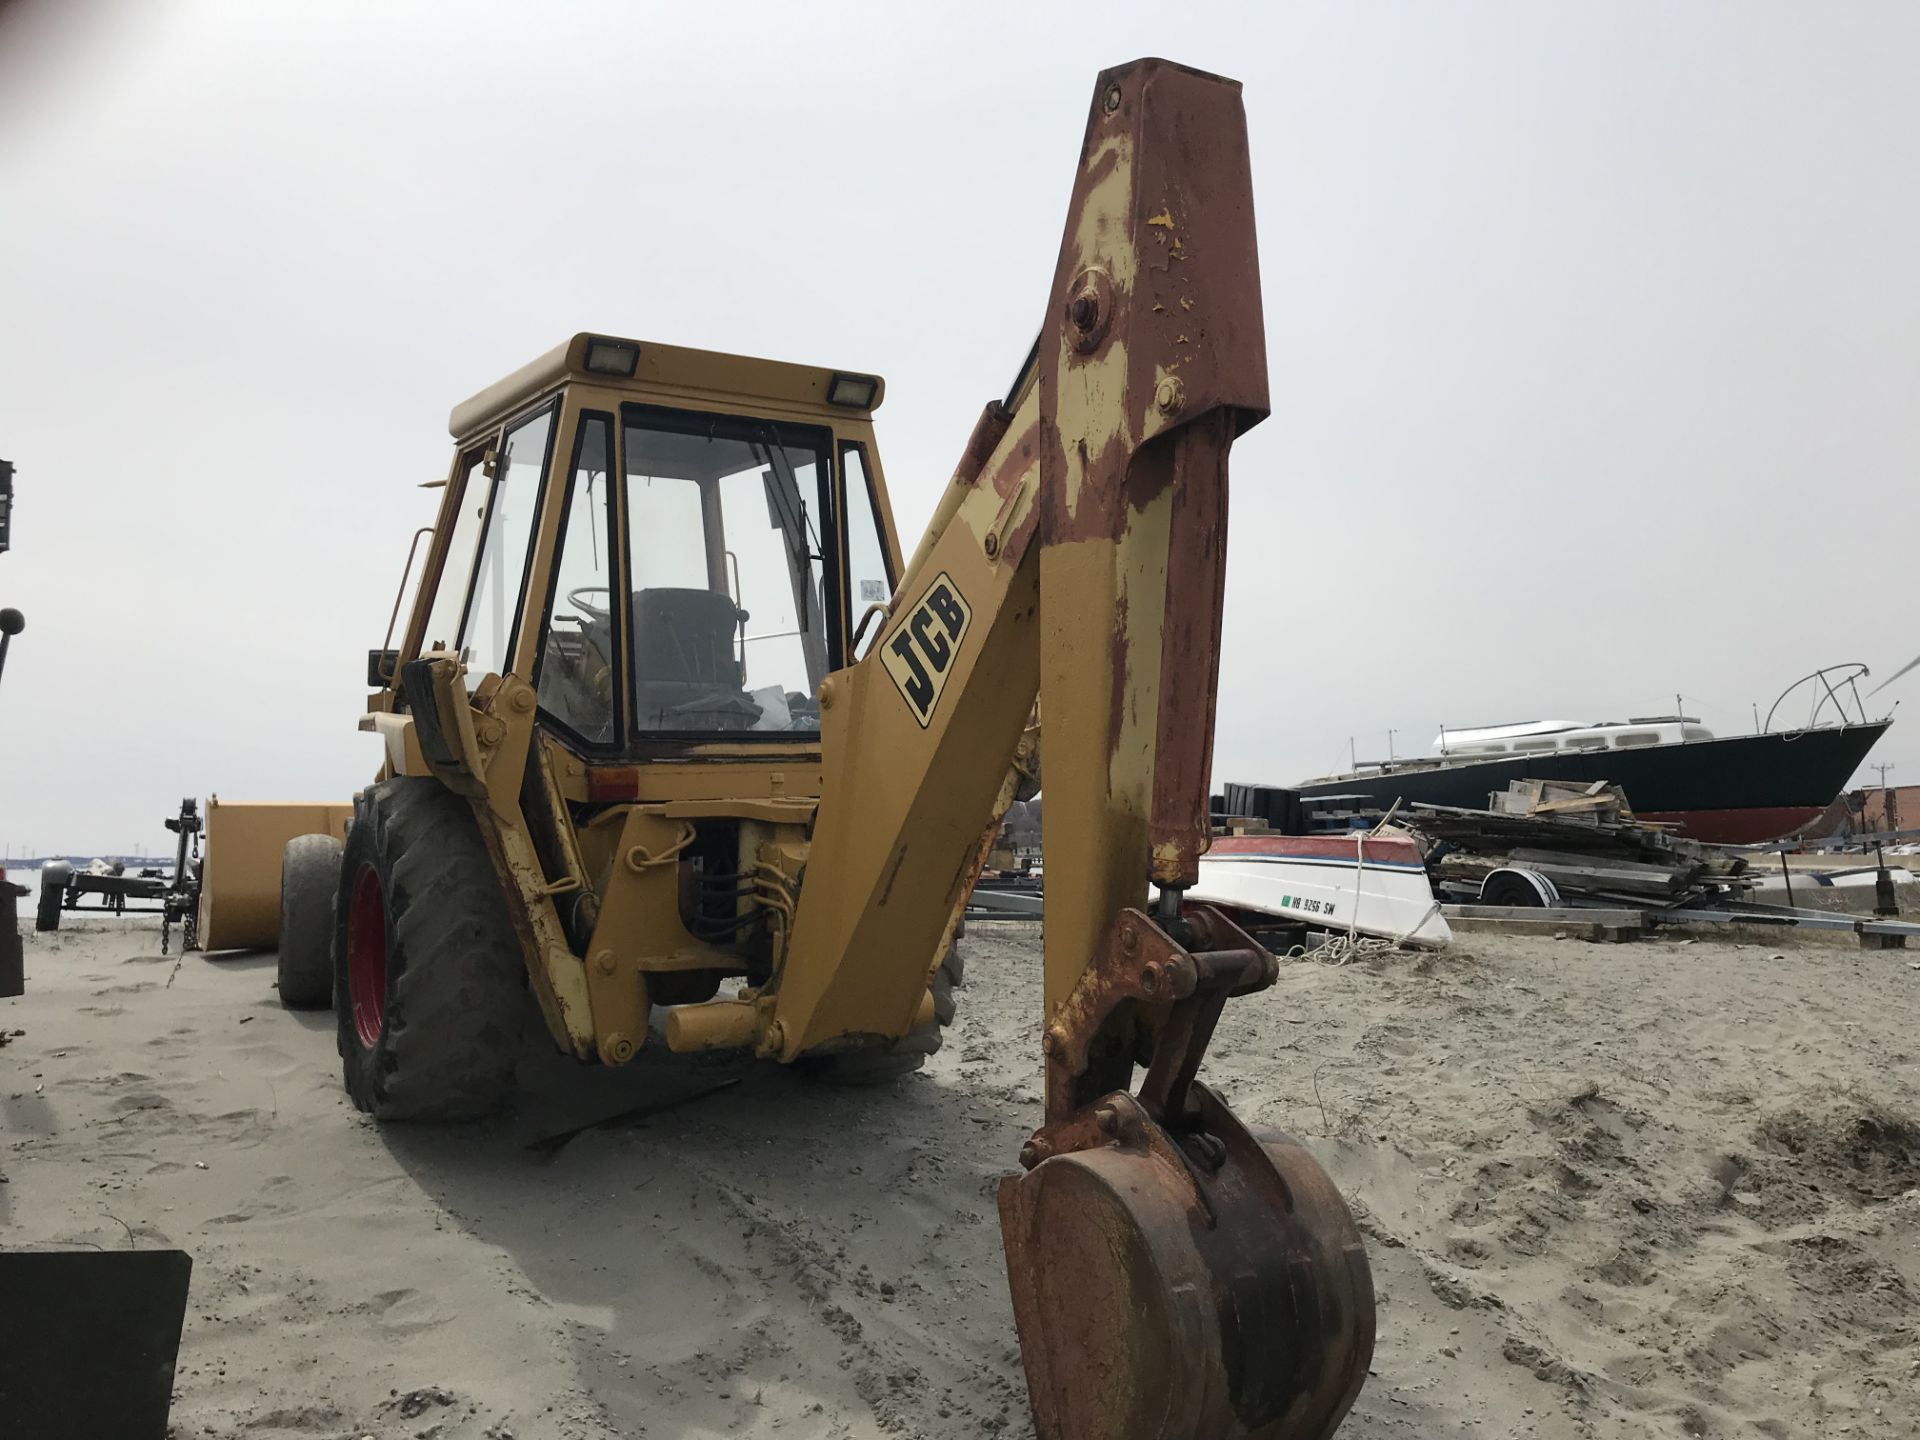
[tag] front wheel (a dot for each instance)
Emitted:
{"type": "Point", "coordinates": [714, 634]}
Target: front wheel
{"type": "Point", "coordinates": [429, 986]}
{"type": "Point", "coordinates": [309, 876]}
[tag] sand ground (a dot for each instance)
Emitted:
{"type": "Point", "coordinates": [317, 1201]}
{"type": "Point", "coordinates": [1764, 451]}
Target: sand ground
{"type": "Point", "coordinates": [1656, 1189]}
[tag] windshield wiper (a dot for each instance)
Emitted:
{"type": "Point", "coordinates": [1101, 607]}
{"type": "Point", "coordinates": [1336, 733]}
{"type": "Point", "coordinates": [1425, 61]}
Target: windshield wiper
{"type": "Point", "coordinates": [790, 514]}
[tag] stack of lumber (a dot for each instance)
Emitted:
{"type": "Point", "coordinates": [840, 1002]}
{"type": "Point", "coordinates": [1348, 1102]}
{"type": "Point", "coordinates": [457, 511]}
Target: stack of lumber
{"type": "Point", "coordinates": [1609, 876]}
{"type": "Point", "coordinates": [1600, 803]}
{"type": "Point", "coordinates": [1587, 843]}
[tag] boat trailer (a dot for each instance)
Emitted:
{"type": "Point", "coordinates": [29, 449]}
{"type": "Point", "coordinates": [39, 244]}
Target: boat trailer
{"type": "Point", "coordinates": [174, 897]}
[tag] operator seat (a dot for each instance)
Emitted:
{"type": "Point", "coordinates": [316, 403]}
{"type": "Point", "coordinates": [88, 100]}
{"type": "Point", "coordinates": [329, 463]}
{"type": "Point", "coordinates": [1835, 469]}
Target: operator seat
{"type": "Point", "coordinates": [685, 670]}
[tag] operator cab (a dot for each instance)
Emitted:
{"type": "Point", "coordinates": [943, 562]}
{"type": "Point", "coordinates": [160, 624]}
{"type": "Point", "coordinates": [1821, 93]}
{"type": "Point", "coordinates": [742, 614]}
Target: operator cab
{"type": "Point", "coordinates": [679, 553]}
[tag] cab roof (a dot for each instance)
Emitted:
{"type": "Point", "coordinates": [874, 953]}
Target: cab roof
{"type": "Point", "coordinates": [643, 367]}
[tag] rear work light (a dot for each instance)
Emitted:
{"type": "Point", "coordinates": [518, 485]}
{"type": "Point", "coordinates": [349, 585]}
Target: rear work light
{"type": "Point", "coordinates": [613, 357]}
{"type": "Point", "coordinates": [856, 392]}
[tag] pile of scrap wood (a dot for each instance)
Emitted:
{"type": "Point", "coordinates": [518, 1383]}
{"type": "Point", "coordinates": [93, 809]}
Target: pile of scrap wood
{"type": "Point", "coordinates": [1583, 839]}
{"type": "Point", "coordinates": [1597, 804]}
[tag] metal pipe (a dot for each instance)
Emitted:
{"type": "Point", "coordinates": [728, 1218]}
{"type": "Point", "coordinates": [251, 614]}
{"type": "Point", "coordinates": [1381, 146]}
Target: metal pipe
{"type": "Point", "coordinates": [401, 594]}
{"type": "Point", "coordinates": [715, 1025]}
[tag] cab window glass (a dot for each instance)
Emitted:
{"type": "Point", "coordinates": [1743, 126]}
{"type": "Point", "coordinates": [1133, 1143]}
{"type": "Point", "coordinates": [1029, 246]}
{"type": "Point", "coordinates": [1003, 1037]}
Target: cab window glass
{"type": "Point", "coordinates": [869, 576]}
{"type": "Point", "coordinates": [577, 662]}
{"type": "Point", "coordinates": [456, 572]}
{"type": "Point", "coordinates": [733, 618]}
{"type": "Point", "coordinates": [773, 557]}
{"type": "Point", "coordinates": [486, 644]}
{"type": "Point", "coordinates": [669, 532]}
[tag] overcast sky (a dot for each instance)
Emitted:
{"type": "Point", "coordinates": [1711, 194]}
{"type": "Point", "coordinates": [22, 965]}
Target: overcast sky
{"type": "Point", "coordinates": [1592, 332]}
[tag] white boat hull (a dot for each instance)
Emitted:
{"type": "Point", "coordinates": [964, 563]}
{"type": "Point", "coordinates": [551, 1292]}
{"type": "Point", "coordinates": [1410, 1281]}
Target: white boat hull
{"type": "Point", "coordinates": [1376, 887]}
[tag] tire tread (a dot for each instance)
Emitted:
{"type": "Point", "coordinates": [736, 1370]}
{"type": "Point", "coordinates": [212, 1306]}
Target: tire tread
{"type": "Point", "coordinates": [309, 874]}
{"type": "Point", "coordinates": [456, 979]}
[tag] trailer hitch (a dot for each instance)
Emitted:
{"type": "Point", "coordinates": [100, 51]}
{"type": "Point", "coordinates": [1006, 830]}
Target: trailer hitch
{"type": "Point", "coordinates": [1175, 1273]}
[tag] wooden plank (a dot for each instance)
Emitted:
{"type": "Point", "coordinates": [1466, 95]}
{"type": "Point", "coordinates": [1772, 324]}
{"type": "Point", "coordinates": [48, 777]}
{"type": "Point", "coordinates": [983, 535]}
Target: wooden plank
{"type": "Point", "coordinates": [1557, 929]}
{"type": "Point", "coordinates": [1575, 875]}
{"type": "Point", "coordinates": [1572, 859]}
{"type": "Point", "coordinates": [1560, 913]}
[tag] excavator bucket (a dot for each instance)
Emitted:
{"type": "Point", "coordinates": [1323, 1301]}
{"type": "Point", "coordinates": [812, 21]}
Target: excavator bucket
{"type": "Point", "coordinates": [1173, 1273]}
{"type": "Point", "coordinates": [1220, 1302]}
{"type": "Point", "coordinates": [240, 884]}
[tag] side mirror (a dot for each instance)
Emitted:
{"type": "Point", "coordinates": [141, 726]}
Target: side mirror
{"type": "Point", "coordinates": [381, 665]}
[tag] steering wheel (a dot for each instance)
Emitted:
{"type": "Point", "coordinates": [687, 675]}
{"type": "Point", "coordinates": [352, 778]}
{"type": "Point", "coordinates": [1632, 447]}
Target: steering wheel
{"type": "Point", "coordinates": [594, 612]}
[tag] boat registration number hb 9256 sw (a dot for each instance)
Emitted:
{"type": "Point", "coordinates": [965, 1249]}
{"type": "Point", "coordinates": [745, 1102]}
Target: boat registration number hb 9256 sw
{"type": "Point", "coordinates": [920, 652]}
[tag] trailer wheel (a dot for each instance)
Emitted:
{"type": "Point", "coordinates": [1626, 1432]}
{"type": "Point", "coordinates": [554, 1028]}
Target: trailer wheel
{"type": "Point", "coordinates": [429, 983]}
{"type": "Point", "coordinates": [1510, 887]}
{"type": "Point", "coordinates": [309, 876]}
{"type": "Point", "coordinates": [910, 1051]}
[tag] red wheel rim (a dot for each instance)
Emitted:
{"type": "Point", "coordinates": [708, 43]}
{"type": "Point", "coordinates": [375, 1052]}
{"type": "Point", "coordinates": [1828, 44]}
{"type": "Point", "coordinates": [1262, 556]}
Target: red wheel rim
{"type": "Point", "coordinates": [367, 957]}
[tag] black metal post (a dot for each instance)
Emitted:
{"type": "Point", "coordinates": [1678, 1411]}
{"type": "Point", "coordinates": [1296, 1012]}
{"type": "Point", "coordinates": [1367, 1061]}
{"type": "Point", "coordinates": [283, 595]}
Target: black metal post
{"type": "Point", "coordinates": [13, 963]}
{"type": "Point", "coordinates": [13, 959]}
{"type": "Point", "coordinates": [12, 622]}
{"type": "Point", "coordinates": [1883, 902]}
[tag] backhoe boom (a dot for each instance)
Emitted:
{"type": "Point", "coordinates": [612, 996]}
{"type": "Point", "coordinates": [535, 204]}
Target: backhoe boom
{"type": "Point", "coordinates": [1172, 1272]}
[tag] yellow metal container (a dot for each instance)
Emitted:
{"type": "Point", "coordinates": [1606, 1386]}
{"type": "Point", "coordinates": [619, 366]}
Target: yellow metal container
{"type": "Point", "coordinates": [240, 882]}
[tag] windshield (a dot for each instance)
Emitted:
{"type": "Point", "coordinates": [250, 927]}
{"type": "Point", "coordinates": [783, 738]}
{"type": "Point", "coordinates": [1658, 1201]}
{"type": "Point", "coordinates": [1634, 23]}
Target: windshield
{"type": "Point", "coordinates": [733, 617]}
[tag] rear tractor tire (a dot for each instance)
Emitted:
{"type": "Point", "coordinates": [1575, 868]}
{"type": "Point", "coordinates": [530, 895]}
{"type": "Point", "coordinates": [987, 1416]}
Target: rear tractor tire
{"type": "Point", "coordinates": [429, 983]}
{"type": "Point", "coordinates": [309, 876]}
{"type": "Point", "coordinates": [907, 1054]}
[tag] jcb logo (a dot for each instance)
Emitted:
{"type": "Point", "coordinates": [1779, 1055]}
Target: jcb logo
{"type": "Point", "coordinates": [920, 653]}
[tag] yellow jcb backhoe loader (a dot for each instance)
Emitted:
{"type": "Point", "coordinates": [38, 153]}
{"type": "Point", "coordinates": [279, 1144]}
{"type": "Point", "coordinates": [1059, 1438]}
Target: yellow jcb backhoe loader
{"type": "Point", "coordinates": [671, 713]}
